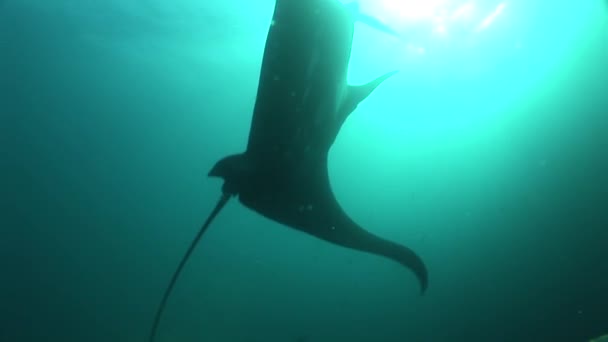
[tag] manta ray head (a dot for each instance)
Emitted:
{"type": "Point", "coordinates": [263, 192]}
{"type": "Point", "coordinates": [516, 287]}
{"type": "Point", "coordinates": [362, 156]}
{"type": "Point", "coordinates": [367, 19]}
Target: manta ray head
{"type": "Point", "coordinates": [234, 170]}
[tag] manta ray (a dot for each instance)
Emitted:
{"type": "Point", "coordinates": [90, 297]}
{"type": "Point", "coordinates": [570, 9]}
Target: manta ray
{"type": "Point", "coordinates": [302, 101]}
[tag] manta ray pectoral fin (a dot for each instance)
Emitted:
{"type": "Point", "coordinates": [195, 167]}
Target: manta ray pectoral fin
{"type": "Point", "coordinates": [411, 260]}
{"type": "Point", "coordinates": [356, 94]}
{"type": "Point", "coordinates": [349, 234]}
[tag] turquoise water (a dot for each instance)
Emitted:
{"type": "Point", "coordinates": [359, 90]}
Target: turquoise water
{"type": "Point", "coordinates": [486, 154]}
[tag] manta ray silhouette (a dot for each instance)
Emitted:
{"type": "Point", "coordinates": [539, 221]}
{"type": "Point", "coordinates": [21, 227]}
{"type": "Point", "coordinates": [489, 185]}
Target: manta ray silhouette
{"type": "Point", "coordinates": [302, 101]}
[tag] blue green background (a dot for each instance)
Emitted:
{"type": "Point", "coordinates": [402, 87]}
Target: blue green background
{"type": "Point", "coordinates": [487, 154]}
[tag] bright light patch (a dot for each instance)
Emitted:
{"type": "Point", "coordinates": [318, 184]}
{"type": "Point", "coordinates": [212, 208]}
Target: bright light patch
{"type": "Point", "coordinates": [414, 9]}
{"type": "Point", "coordinates": [461, 58]}
{"type": "Point", "coordinates": [437, 26]}
{"type": "Point", "coordinates": [464, 12]}
{"type": "Point", "coordinates": [441, 29]}
{"type": "Point", "coordinates": [419, 50]}
{"type": "Point", "coordinates": [490, 18]}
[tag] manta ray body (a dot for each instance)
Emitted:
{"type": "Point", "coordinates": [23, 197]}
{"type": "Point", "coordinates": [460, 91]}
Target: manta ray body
{"type": "Point", "coordinates": [302, 101]}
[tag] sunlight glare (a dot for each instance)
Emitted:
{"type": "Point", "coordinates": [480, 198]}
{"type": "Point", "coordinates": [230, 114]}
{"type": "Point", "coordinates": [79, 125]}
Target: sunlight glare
{"type": "Point", "coordinates": [490, 18]}
{"type": "Point", "coordinates": [414, 9]}
{"type": "Point", "coordinates": [465, 11]}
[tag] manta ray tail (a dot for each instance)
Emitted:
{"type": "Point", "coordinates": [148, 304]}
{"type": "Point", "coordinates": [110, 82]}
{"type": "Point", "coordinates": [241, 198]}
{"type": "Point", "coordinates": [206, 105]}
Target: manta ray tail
{"type": "Point", "coordinates": [218, 207]}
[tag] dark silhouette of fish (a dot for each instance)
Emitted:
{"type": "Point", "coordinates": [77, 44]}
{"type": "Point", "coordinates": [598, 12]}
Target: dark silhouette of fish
{"type": "Point", "coordinates": [302, 101]}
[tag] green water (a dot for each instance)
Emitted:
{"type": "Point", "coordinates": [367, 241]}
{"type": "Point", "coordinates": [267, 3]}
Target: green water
{"type": "Point", "coordinates": [486, 154]}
